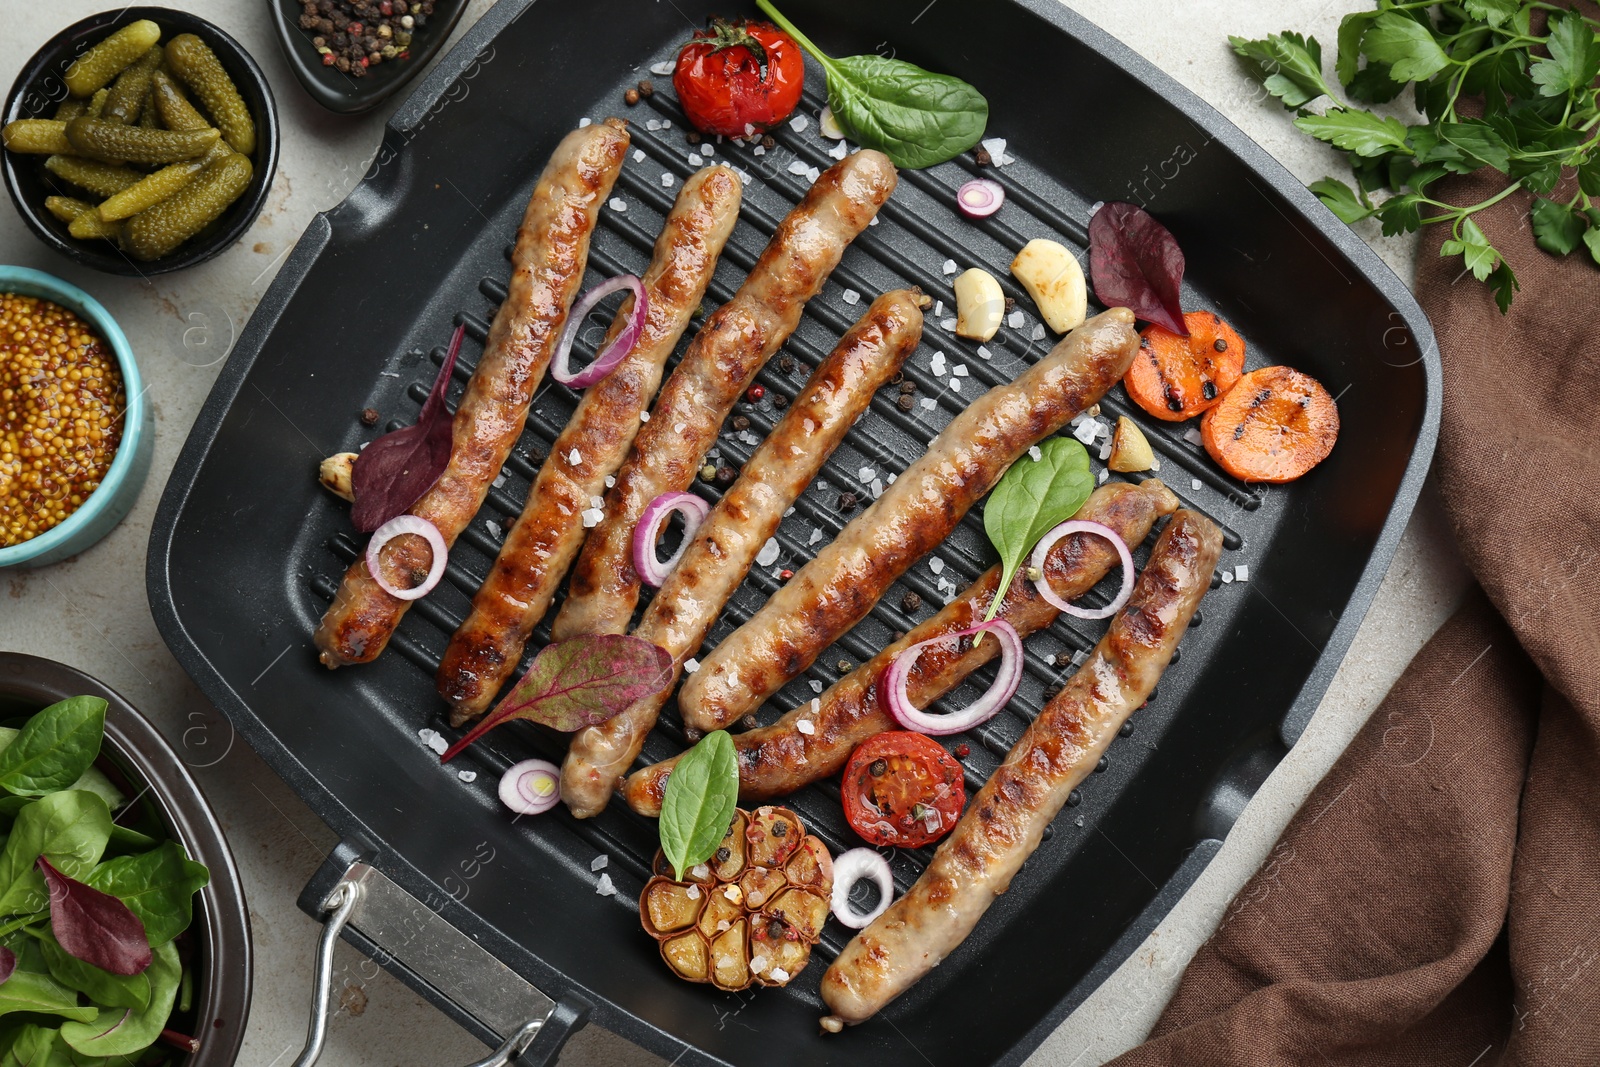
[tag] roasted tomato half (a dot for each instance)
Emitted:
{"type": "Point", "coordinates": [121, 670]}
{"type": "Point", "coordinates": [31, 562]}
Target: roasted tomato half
{"type": "Point", "coordinates": [902, 788]}
{"type": "Point", "coordinates": [739, 78]}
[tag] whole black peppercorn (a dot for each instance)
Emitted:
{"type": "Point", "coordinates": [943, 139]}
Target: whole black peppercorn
{"type": "Point", "coordinates": [786, 364]}
{"type": "Point", "coordinates": [908, 386]}
{"type": "Point", "coordinates": [983, 158]}
{"type": "Point", "coordinates": [780, 401]}
{"type": "Point", "coordinates": [740, 423]}
{"type": "Point", "coordinates": [1053, 690]}
{"type": "Point", "coordinates": [1220, 344]}
{"type": "Point", "coordinates": [910, 602]}
{"type": "Point", "coordinates": [847, 501]}
{"type": "Point", "coordinates": [369, 416]}
{"type": "Point", "coordinates": [726, 476]}
{"type": "Point", "coordinates": [905, 402]}
{"type": "Point", "coordinates": [647, 88]}
{"type": "Point", "coordinates": [896, 635]}
{"type": "Point", "coordinates": [769, 142]}
{"type": "Point", "coordinates": [1011, 304]}
{"type": "Point", "coordinates": [693, 137]}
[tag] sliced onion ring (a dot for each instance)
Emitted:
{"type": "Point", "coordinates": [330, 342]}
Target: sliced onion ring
{"type": "Point", "coordinates": [1048, 541]}
{"type": "Point", "coordinates": [980, 198]}
{"type": "Point", "coordinates": [981, 710]}
{"type": "Point", "coordinates": [395, 527]}
{"type": "Point", "coordinates": [848, 869]}
{"type": "Point", "coordinates": [605, 360]}
{"type": "Point", "coordinates": [531, 787]}
{"type": "Point", "coordinates": [653, 571]}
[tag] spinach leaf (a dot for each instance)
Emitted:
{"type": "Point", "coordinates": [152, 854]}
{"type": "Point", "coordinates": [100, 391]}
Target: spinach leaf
{"type": "Point", "coordinates": [158, 886]}
{"type": "Point", "coordinates": [31, 991]}
{"type": "Point", "coordinates": [123, 1031]}
{"type": "Point", "coordinates": [699, 803]}
{"type": "Point", "coordinates": [55, 749]}
{"type": "Point", "coordinates": [126, 840]}
{"type": "Point", "coordinates": [70, 828]}
{"type": "Point", "coordinates": [1034, 497]}
{"type": "Point", "coordinates": [915, 117]}
{"type": "Point", "coordinates": [102, 987]}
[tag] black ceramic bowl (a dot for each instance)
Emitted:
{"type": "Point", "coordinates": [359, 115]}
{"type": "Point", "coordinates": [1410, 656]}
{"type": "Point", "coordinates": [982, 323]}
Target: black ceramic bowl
{"type": "Point", "coordinates": [165, 799]}
{"type": "Point", "coordinates": [340, 92]}
{"type": "Point", "coordinates": [39, 88]}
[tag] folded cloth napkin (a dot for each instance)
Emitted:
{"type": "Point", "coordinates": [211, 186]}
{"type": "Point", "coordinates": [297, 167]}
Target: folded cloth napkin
{"type": "Point", "coordinates": [1436, 901]}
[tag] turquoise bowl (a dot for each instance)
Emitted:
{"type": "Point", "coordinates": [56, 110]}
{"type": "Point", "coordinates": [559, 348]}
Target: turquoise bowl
{"type": "Point", "coordinates": [130, 467]}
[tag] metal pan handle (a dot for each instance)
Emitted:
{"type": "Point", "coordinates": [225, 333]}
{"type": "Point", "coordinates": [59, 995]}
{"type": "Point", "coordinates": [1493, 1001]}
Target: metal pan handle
{"type": "Point", "coordinates": [397, 931]}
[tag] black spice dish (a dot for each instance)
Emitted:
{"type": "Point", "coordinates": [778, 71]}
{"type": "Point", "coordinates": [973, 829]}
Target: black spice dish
{"type": "Point", "coordinates": [351, 94]}
{"type": "Point", "coordinates": [1087, 121]}
{"type": "Point", "coordinates": [167, 801]}
{"type": "Point", "coordinates": [39, 88]}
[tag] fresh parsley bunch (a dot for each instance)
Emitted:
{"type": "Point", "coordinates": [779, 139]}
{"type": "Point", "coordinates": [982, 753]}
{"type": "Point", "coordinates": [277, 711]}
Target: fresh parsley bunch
{"type": "Point", "coordinates": [1539, 116]}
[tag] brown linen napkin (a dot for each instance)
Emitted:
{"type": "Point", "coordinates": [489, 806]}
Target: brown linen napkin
{"type": "Point", "coordinates": [1436, 901]}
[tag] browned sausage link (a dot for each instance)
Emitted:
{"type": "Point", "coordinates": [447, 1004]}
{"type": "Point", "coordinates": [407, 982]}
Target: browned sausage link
{"type": "Point", "coordinates": [1005, 820]}
{"type": "Point", "coordinates": [715, 562]}
{"type": "Point", "coordinates": [541, 545]}
{"type": "Point", "coordinates": [836, 589]}
{"type": "Point", "coordinates": [732, 345]}
{"type": "Point", "coordinates": [547, 266]}
{"type": "Point", "coordinates": [778, 759]}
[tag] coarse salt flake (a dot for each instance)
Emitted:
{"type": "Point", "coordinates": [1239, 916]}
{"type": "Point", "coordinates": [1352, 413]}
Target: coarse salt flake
{"type": "Point", "coordinates": [947, 325]}
{"type": "Point", "coordinates": [693, 892]}
{"type": "Point", "coordinates": [851, 296]}
{"type": "Point", "coordinates": [1194, 483]}
{"type": "Point", "coordinates": [585, 122]}
{"type": "Point", "coordinates": [984, 353]}
{"type": "Point", "coordinates": [936, 362]}
{"type": "Point", "coordinates": [1105, 452]}
{"type": "Point", "coordinates": [1227, 577]}
{"type": "Point", "coordinates": [693, 158]}
{"type": "Point", "coordinates": [706, 150]}
{"type": "Point", "coordinates": [929, 403]}
{"type": "Point", "coordinates": [596, 502]}
{"type": "Point", "coordinates": [955, 383]}
{"type": "Point", "coordinates": [760, 151]}
{"type": "Point", "coordinates": [769, 553]}
{"type": "Point", "coordinates": [839, 151]}
{"type": "Point", "coordinates": [494, 528]}
{"type": "Point", "coordinates": [866, 474]}
{"type": "Point", "coordinates": [1086, 431]}
{"type": "Point", "coordinates": [799, 166]}
{"type": "Point", "coordinates": [499, 479]}
{"type": "Point", "coordinates": [949, 266]}
{"type": "Point", "coordinates": [812, 174]}
{"type": "Point", "coordinates": [816, 535]}
{"type": "Point", "coordinates": [638, 155]}
{"type": "Point", "coordinates": [936, 565]}
{"type": "Point", "coordinates": [959, 370]}
{"type": "Point", "coordinates": [644, 416]}
{"type": "Point", "coordinates": [877, 488]}
{"type": "Point", "coordinates": [599, 863]}
{"type": "Point", "coordinates": [652, 124]}
{"type": "Point", "coordinates": [591, 518]}
{"type": "Point", "coordinates": [1016, 320]}
{"type": "Point", "coordinates": [666, 179]}
{"type": "Point", "coordinates": [938, 308]}
{"type": "Point", "coordinates": [574, 457]}
{"type": "Point", "coordinates": [662, 69]}
{"type": "Point", "coordinates": [604, 886]}
{"type": "Point", "coordinates": [1155, 464]}
{"type": "Point", "coordinates": [1037, 333]}
{"type": "Point", "coordinates": [618, 204]}
{"type": "Point", "coordinates": [1033, 450]}
{"type": "Point", "coordinates": [611, 480]}
{"type": "Point", "coordinates": [1241, 573]}
{"type": "Point", "coordinates": [1100, 479]}
{"type": "Point", "coordinates": [1192, 435]}
{"type": "Point", "coordinates": [759, 963]}
{"type": "Point", "coordinates": [691, 665]}
{"type": "Point", "coordinates": [805, 726]}
{"type": "Point", "coordinates": [467, 776]}
{"type": "Point", "coordinates": [679, 427]}
{"type": "Point", "coordinates": [816, 686]}
{"type": "Point", "coordinates": [799, 123]}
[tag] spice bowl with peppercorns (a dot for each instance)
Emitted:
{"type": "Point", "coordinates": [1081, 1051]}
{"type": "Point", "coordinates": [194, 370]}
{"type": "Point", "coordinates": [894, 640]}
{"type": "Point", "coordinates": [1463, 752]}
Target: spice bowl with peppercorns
{"type": "Point", "coordinates": [351, 55]}
{"type": "Point", "coordinates": [76, 429]}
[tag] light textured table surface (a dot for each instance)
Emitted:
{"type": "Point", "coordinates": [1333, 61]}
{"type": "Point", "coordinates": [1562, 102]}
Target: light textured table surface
{"type": "Point", "coordinates": [91, 611]}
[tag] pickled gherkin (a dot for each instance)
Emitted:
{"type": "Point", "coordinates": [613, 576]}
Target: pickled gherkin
{"type": "Point", "coordinates": [156, 231]}
{"type": "Point", "coordinates": [111, 141]}
{"type": "Point", "coordinates": [127, 95]}
{"type": "Point", "coordinates": [104, 61]}
{"type": "Point", "coordinates": [101, 179]}
{"type": "Point", "coordinates": [200, 69]}
{"type": "Point", "coordinates": [97, 103]}
{"type": "Point", "coordinates": [90, 226]}
{"type": "Point", "coordinates": [151, 190]}
{"type": "Point", "coordinates": [66, 208]}
{"type": "Point", "coordinates": [41, 136]}
{"type": "Point", "coordinates": [174, 108]}
{"type": "Point", "coordinates": [70, 108]}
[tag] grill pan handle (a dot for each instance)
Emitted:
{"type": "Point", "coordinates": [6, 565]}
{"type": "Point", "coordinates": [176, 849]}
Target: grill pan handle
{"type": "Point", "coordinates": [430, 954]}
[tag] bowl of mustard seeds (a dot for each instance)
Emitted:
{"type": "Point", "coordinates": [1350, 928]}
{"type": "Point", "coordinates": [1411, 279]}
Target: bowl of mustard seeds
{"type": "Point", "coordinates": [76, 430]}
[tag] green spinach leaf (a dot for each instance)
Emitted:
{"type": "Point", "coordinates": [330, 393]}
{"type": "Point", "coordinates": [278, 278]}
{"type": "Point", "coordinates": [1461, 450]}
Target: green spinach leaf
{"type": "Point", "coordinates": [158, 886]}
{"type": "Point", "coordinates": [71, 828]}
{"type": "Point", "coordinates": [102, 987]}
{"type": "Point", "coordinates": [915, 117]}
{"type": "Point", "coordinates": [124, 1031]}
{"type": "Point", "coordinates": [55, 748]}
{"type": "Point", "coordinates": [699, 803]}
{"type": "Point", "coordinates": [1034, 496]}
{"type": "Point", "coordinates": [35, 992]}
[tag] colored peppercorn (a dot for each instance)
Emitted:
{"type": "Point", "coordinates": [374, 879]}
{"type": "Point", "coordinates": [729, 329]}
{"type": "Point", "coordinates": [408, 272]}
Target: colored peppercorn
{"type": "Point", "coordinates": [754, 393]}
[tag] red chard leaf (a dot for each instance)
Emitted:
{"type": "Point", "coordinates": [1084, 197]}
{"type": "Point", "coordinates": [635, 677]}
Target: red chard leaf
{"type": "Point", "coordinates": [95, 927]}
{"type": "Point", "coordinates": [8, 963]}
{"type": "Point", "coordinates": [1136, 263]}
{"type": "Point", "coordinates": [394, 471]}
{"type": "Point", "coordinates": [579, 682]}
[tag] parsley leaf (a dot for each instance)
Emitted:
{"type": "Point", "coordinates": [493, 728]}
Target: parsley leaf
{"type": "Point", "coordinates": [1289, 66]}
{"type": "Point", "coordinates": [1574, 57]}
{"type": "Point", "coordinates": [1406, 45]}
{"type": "Point", "coordinates": [1556, 227]}
{"type": "Point", "coordinates": [1341, 199]}
{"type": "Point", "coordinates": [1356, 131]}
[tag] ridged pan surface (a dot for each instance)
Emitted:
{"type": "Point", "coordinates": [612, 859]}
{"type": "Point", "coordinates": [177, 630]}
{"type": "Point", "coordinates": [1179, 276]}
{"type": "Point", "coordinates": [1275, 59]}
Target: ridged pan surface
{"type": "Point", "coordinates": [249, 549]}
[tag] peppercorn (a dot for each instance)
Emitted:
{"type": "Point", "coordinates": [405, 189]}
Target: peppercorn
{"type": "Point", "coordinates": [630, 97]}
{"type": "Point", "coordinates": [1220, 344]}
{"type": "Point", "coordinates": [1053, 690]}
{"type": "Point", "coordinates": [905, 402]}
{"type": "Point", "coordinates": [1011, 304]}
{"type": "Point", "coordinates": [983, 158]}
{"type": "Point", "coordinates": [769, 142]}
{"type": "Point", "coordinates": [963, 750]}
{"type": "Point", "coordinates": [750, 722]}
{"type": "Point", "coordinates": [369, 416]}
{"type": "Point", "coordinates": [740, 423]}
{"type": "Point", "coordinates": [896, 635]}
{"type": "Point", "coordinates": [693, 137]}
{"type": "Point", "coordinates": [61, 398]}
{"type": "Point", "coordinates": [844, 666]}
{"type": "Point", "coordinates": [708, 473]}
{"type": "Point", "coordinates": [780, 401]}
{"type": "Point", "coordinates": [754, 394]}
{"type": "Point", "coordinates": [726, 476]}
{"type": "Point", "coordinates": [692, 735]}
{"type": "Point", "coordinates": [786, 364]}
{"type": "Point", "coordinates": [785, 574]}
{"type": "Point", "coordinates": [354, 35]}
{"type": "Point", "coordinates": [847, 501]}
{"type": "Point", "coordinates": [910, 602]}
{"type": "Point", "coordinates": [908, 386]}
{"type": "Point", "coordinates": [647, 88]}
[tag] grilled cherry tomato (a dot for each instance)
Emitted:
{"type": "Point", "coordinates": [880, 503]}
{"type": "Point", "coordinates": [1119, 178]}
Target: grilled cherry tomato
{"type": "Point", "coordinates": [902, 788]}
{"type": "Point", "coordinates": [739, 78]}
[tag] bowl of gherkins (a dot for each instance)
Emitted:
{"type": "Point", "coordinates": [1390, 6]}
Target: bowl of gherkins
{"type": "Point", "coordinates": [139, 141]}
{"type": "Point", "coordinates": [124, 938]}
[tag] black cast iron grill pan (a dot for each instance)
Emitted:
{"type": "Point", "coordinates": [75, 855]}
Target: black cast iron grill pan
{"type": "Point", "coordinates": [248, 549]}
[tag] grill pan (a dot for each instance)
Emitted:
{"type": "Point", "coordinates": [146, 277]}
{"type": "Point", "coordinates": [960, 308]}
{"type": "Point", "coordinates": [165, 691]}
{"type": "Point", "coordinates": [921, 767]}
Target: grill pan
{"type": "Point", "coordinates": [247, 548]}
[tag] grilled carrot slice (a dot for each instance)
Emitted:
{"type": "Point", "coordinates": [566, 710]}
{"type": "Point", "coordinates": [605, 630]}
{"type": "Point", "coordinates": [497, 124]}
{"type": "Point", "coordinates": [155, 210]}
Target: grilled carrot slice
{"type": "Point", "coordinates": [1176, 378]}
{"type": "Point", "coordinates": [1273, 426]}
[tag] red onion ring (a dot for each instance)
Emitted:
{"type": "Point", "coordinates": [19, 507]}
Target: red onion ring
{"type": "Point", "coordinates": [605, 360]}
{"type": "Point", "coordinates": [531, 787]}
{"type": "Point", "coordinates": [848, 869]}
{"type": "Point", "coordinates": [980, 198]}
{"type": "Point", "coordinates": [1048, 541]}
{"type": "Point", "coordinates": [653, 571]}
{"type": "Point", "coordinates": [981, 710]}
{"type": "Point", "coordinates": [395, 527]}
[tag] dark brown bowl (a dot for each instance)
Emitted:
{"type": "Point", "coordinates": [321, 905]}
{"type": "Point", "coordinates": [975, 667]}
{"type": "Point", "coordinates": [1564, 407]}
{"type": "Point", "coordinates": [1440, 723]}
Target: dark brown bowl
{"type": "Point", "coordinates": [39, 88]}
{"type": "Point", "coordinates": [136, 754]}
{"type": "Point", "coordinates": [342, 94]}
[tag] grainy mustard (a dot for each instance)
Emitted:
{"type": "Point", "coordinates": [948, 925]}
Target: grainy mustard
{"type": "Point", "coordinates": [61, 406]}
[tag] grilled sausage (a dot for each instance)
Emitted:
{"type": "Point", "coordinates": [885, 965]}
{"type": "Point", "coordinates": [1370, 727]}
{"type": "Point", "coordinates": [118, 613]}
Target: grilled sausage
{"type": "Point", "coordinates": [547, 266]}
{"type": "Point", "coordinates": [779, 759]}
{"type": "Point", "coordinates": [715, 562]}
{"type": "Point", "coordinates": [1005, 820]}
{"type": "Point", "coordinates": [547, 535]}
{"type": "Point", "coordinates": [915, 514]}
{"type": "Point", "coordinates": [732, 345]}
